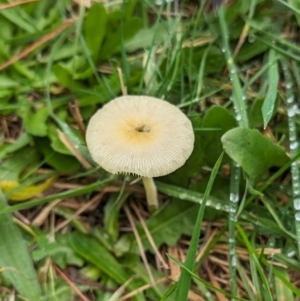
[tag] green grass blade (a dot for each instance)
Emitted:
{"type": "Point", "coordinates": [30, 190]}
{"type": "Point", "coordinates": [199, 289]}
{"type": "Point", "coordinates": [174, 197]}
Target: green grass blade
{"type": "Point", "coordinates": [272, 178]}
{"type": "Point", "coordinates": [207, 284]}
{"type": "Point", "coordinates": [204, 290]}
{"type": "Point", "coordinates": [282, 278]}
{"type": "Point", "coordinates": [191, 196]}
{"type": "Point", "coordinates": [239, 103]}
{"type": "Point", "coordinates": [259, 268]}
{"type": "Point", "coordinates": [61, 195]}
{"type": "Point", "coordinates": [282, 292]}
{"type": "Point", "coordinates": [270, 99]}
{"type": "Point", "coordinates": [292, 108]}
{"type": "Point", "coordinates": [185, 278]}
{"type": "Point", "coordinates": [245, 279]}
{"type": "Point", "coordinates": [290, 6]}
{"type": "Point", "coordinates": [255, 280]}
{"type": "Point", "coordinates": [233, 201]}
{"type": "Point", "coordinates": [15, 261]}
{"type": "Point", "coordinates": [267, 224]}
{"type": "Point", "coordinates": [169, 292]}
{"type": "Point", "coordinates": [238, 95]}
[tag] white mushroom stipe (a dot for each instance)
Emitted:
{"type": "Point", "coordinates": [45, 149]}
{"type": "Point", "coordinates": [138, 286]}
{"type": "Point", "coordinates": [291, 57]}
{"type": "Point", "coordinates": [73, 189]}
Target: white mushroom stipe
{"type": "Point", "coordinates": [151, 193]}
{"type": "Point", "coordinates": [140, 135]}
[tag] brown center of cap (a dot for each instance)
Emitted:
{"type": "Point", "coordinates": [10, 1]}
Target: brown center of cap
{"type": "Point", "coordinates": [143, 129]}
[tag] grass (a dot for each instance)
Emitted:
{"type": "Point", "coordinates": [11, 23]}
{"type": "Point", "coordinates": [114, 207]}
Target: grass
{"type": "Point", "coordinates": [223, 231]}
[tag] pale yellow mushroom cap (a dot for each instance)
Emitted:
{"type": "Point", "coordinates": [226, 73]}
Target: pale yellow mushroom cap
{"type": "Point", "coordinates": [140, 135]}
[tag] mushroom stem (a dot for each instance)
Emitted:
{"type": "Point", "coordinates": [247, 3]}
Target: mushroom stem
{"type": "Point", "coordinates": [151, 193]}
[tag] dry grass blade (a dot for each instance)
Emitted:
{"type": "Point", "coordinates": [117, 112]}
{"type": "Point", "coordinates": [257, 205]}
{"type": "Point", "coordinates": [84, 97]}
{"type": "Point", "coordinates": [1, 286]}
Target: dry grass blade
{"type": "Point", "coordinates": [141, 289]}
{"type": "Point", "coordinates": [86, 3]}
{"type": "Point", "coordinates": [66, 141]}
{"type": "Point", "coordinates": [242, 39]}
{"type": "Point", "coordinates": [120, 290]}
{"type": "Point", "coordinates": [75, 111]}
{"type": "Point", "coordinates": [38, 43]}
{"type": "Point", "coordinates": [149, 236]}
{"type": "Point", "coordinates": [139, 242]}
{"type": "Point", "coordinates": [94, 200]}
{"type": "Point", "coordinates": [123, 87]}
{"type": "Point", "coordinates": [22, 218]}
{"type": "Point", "coordinates": [71, 284]}
{"type": "Point", "coordinates": [16, 3]}
{"type": "Point", "coordinates": [25, 227]}
{"type": "Point", "coordinates": [195, 297]}
{"type": "Point", "coordinates": [214, 282]}
{"type": "Point", "coordinates": [174, 268]}
{"type": "Point", "coordinates": [207, 243]}
{"type": "Point", "coordinates": [42, 216]}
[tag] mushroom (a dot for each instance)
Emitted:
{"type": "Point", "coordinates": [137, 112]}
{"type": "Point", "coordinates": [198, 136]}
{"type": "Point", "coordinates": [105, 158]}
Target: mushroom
{"type": "Point", "coordinates": [140, 135]}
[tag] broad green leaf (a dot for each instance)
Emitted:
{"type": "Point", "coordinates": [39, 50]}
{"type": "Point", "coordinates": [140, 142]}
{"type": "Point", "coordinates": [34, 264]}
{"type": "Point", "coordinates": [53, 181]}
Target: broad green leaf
{"type": "Point", "coordinates": [253, 151]}
{"type": "Point", "coordinates": [60, 162]}
{"type": "Point", "coordinates": [221, 120]}
{"type": "Point", "coordinates": [95, 19]}
{"type": "Point", "coordinates": [35, 120]}
{"type": "Point", "coordinates": [273, 78]}
{"type": "Point", "coordinates": [92, 251]}
{"type": "Point", "coordinates": [15, 261]}
{"type": "Point", "coordinates": [12, 168]}
{"type": "Point", "coordinates": [59, 250]}
{"type": "Point", "coordinates": [22, 141]}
